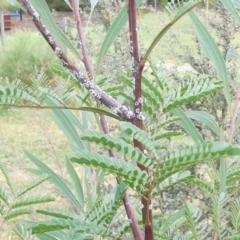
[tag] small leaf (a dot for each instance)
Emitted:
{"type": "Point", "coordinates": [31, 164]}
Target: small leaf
{"type": "Point", "coordinates": [57, 181]}
{"type": "Point", "coordinates": [231, 8]}
{"type": "Point", "coordinates": [76, 183]}
{"type": "Point", "coordinates": [188, 125]}
{"type": "Point", "coordinates": [212, 51]}
{"type": "Point", "coordinates": [42, 8]}
{"type": "Point", "coordinates": [205, 118]}
{"type": "Point", "coordinates": [231, 54]}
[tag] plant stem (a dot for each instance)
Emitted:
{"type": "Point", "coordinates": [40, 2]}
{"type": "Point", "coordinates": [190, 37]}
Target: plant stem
{"type": "Point", "coordinates": [86, 59]}
{"type": "Point", "coordinates": [138, 120]}
{"type": "Point", "coordinates": [126, 201]}
{"type": "Point", "coordinates": [93, 89]}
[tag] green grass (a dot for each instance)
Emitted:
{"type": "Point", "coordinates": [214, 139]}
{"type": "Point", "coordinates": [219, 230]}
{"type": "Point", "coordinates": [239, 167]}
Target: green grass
{"type": "Point", "coordinates": [20, 61]}
{"type": "Point", "coordinates": [5, 6]}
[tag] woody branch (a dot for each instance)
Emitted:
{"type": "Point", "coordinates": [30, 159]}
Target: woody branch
{"type": "Point", "coordinates": [94, 90]}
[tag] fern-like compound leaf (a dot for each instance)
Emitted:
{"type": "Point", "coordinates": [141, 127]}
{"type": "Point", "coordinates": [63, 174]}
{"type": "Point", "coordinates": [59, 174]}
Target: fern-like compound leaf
{"type": "Point", "coordinates": [138, 134]}
{"type": "Point", "coordinates": [13, 96]}
{"type": "Point", "coordinates": [104, 212]}
{"type": "Point", "coordinates": [7, 177]}
{"type": "Point", "coordinates": [235, 215]}
{"type": "Point", "coordinates": [195, 90]}
{"type": "Point", "coordinates": [117, 145]}
{"type": "Point", "coordinates": [78, 226]}
{"type": "Point", "coordinates": [179, 160]}
{"type": "Point", "coordinates": [32, 201]}
{"type": "Point", "coordinates": [17, 213]}
{"type": "Point", "coordinates": [127, 172]}
{"type": "Point", "coordinates": [34, 184]}
{"type": "Point", "coordinates": [54, 213]}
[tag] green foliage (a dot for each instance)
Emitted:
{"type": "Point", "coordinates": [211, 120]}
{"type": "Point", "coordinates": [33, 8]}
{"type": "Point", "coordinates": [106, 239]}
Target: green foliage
{"type": "Point", "coordinates": [16, 203]}
{"type": "Point", "coordinates": [58, 5]}
{"type": "Point", "coordinates": [20, 61]}
{"type": "Point", "coordinates": [141, 155]}
{"type": "Point", "coordinates": [5, 6]}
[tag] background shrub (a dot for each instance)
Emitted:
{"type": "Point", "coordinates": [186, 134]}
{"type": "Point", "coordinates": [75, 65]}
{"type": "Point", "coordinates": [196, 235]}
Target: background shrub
{"type": "Point", "coordinates": [19, 61]}
{"type": "Point", "coordinates": [4, 5]}
{"type": "Point", "coordinates": [58, 5]}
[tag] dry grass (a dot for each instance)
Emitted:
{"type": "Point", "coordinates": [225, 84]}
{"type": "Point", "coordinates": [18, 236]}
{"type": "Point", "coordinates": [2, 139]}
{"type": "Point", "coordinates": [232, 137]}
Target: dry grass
{"type": "Point", "coordinates": [34, 131]}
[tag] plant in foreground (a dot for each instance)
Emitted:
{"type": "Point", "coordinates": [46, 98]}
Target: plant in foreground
{"type": "Point", "coordinates": [139, 156]}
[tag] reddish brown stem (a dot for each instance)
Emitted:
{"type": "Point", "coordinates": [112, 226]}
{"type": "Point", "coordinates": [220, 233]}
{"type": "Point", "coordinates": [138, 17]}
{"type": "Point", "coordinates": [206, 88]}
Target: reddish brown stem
{"type": "Point", "coordinates": [101, 96]}
{"type": "Point", "coordinates": [138, 121]}
{"type": "Point", "coordinates": [129, 210]}
{"type": "Point", "coordinates": [86, 59]}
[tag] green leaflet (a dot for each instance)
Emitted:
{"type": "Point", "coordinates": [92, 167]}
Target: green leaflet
{"type": "Point", "coordinates": [128, 173]}
{"type": "Point", "coordinates": [188, 125]}
{"type": "Point", "coordinates": [177, 161]}
{"type": "Point", "coordinates": [211, 50]}
{"type": "Point", "coordinates": [138, 134]}
{"type": "Point", "coordinates": [76, 183]}
{"type": "Point", "coordinates": [118, 145]}
{"type": "Point", "coordinates": [236, 4]}
{"type": "Point", "coordinates": [153, 91]}
{"type": "Point", "coordinates": [63, 119]}
{"type": "Point", "coordinates": [113, 32]}
{"type": "Point", "coordinates": [42, 8]}
{"type": "Point", "coordinates": [232, 9]}
{"type": "Point", "coordinates": [57, 181]}
{"type": "Point", "coordinates": [15, 3]}
{"type": "Point", "coordinates": [231, 54]}
{"type": "Point", "coordinates": [204, 118]}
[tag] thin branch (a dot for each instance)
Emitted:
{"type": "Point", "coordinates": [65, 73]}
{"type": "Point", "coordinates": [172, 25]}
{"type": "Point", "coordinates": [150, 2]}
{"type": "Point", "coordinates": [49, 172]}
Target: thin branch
{"type": "Point", "coordinates": [93, 89]}
{"type": "Point", "coordinates": [86, 59]}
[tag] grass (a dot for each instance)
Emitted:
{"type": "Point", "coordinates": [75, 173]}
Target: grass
{"type": "Point", "coordinates": [34, 131]}
{"type": "Point", "coordinates": [5, 6]}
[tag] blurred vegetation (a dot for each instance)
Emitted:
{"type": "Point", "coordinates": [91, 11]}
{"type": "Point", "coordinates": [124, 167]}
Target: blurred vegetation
{"type": "Point", "coordinates": [20, 61]}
